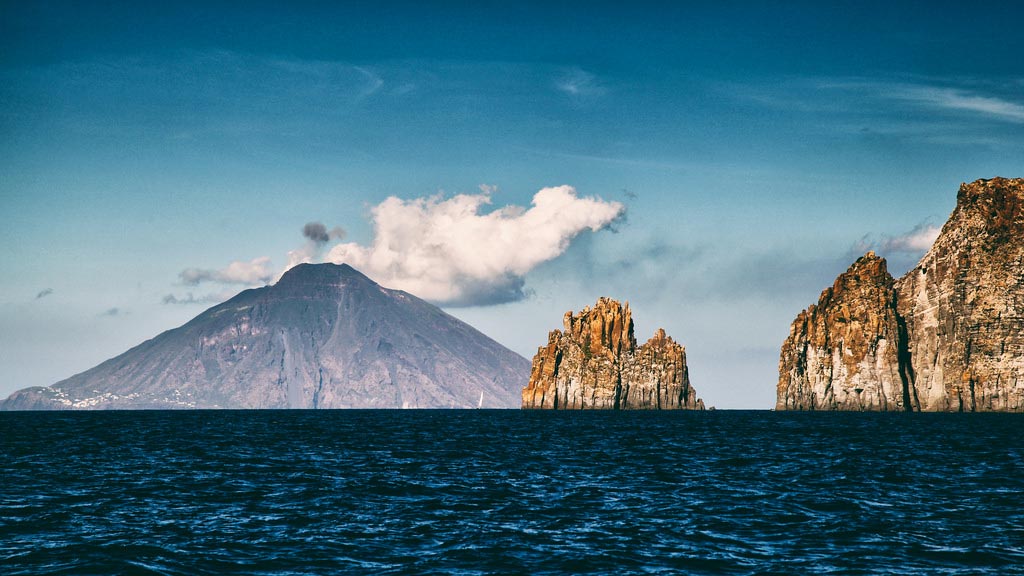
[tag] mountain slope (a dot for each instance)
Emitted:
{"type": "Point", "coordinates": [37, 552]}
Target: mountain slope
{"type": "Point", "coordinates": [324, 336]}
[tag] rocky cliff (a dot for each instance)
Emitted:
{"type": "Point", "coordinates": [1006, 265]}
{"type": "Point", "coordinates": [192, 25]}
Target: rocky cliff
{"type": "Point", "coordinates": [324, 336]}
{"type": "Point", "coordinates": [595, 363]}
{"type": "Point", "coordinates": [843, 352]}
{"type": "Point", "coordinates": [947, 336]}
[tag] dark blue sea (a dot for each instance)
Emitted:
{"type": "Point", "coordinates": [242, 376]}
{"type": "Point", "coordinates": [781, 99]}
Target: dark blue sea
{"type": "Point", "coordinates": [504, 492]}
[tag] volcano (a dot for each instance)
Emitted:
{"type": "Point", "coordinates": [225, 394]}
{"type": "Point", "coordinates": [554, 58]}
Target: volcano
{"type": "Point", "coordinates": [323, 336]}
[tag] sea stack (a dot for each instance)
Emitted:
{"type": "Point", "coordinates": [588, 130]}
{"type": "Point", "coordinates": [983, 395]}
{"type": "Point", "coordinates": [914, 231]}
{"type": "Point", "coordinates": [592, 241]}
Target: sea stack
{"type": "Point", "coordinates": [595, 363]}
{"type": "Point", "coordinates": [947, 336]}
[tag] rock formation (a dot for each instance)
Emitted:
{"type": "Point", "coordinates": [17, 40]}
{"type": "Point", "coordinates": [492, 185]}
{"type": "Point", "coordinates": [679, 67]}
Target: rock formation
{"type": "Point", "coordinates": [324, 336]}
{"type": "Point", "coordinates": [947, 336]}
{"type": "Point", "coordinates": [843, 352]}
{"type": "Point", "coordinates": [595, 363]}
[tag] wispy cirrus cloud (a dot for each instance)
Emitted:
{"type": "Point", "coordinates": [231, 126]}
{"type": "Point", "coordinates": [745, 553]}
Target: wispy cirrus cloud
{"type": "Point", "coordinates": [948, 112]}
{"type": "Point", "coordinates": [961, 100]}
{"type": "Point", "coordinates": [866, 98]}
{"type": "Point", "coordinates": [194, 94]}
{"type": "Point", "coordinates": [579, 83]}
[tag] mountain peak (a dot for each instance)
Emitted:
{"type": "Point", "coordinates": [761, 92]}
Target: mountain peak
{"type": "Point", "coordinates": [947, 336]}
{"type": "Point", "coordinates": [326, 273]}
{"type": "Point", "coordinates": [993, 208]}
{"type": "Point", "coordinates": [306, 280]}
{"type": "Point", "coordinates": [323, 336]}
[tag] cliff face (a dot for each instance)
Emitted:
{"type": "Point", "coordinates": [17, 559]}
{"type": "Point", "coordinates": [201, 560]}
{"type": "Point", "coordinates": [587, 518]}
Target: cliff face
{"type": "Point", "coordinates": [964, 304]}
{"type": "Point", "coordinates": [843, 353]}
{"type": "Point", "coordinates": [947, 336]}
{"type": "Point", "coordinates": [324, 336]}
{"type": "Point", "coordinates": [595, 363]}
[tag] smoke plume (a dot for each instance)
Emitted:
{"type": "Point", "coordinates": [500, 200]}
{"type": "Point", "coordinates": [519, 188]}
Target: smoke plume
{"type": "Point", "coordinates": [317, 236]}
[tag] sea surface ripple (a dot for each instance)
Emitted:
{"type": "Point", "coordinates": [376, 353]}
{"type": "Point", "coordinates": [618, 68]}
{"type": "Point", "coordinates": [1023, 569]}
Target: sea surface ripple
{"type": "Point", "coordinates": [499, 492]}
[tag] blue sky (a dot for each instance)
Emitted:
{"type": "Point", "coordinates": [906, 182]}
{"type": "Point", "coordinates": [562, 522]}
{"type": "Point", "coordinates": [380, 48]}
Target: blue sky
{"type": "Point", "coordinates": [756, 151]}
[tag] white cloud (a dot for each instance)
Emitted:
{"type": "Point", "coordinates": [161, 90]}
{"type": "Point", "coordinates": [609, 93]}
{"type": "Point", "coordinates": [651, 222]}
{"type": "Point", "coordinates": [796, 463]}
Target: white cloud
{"type": "Point", "coordinates": [578, 83]}
{"type": "Point", "coordinates": [913, 243]}
{"type": "Point", "coordinates": [920, 239]}
{"type": "Point", "coordinates": [254, 272]}
{"type": "Point", "coordinates": [934, 97]}
{"type": "Point", "coordinates": [214, 298]}
{"type": "Point", "coordinates": [446, 251]}
{"type": "Point", "coordinates": [954, 99]}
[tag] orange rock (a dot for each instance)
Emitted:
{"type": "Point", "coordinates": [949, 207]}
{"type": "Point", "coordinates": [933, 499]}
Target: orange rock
{"type": "Point", "coordinates": [947, 336]}
{"type": "Point", "coordinates": [595, 364]}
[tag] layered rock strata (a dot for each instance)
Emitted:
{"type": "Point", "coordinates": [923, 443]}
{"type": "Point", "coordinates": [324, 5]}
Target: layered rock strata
{"type": "Point", "coordinates": [595, 363]}
{"type": "Point", "coordinates": [947, 336]}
